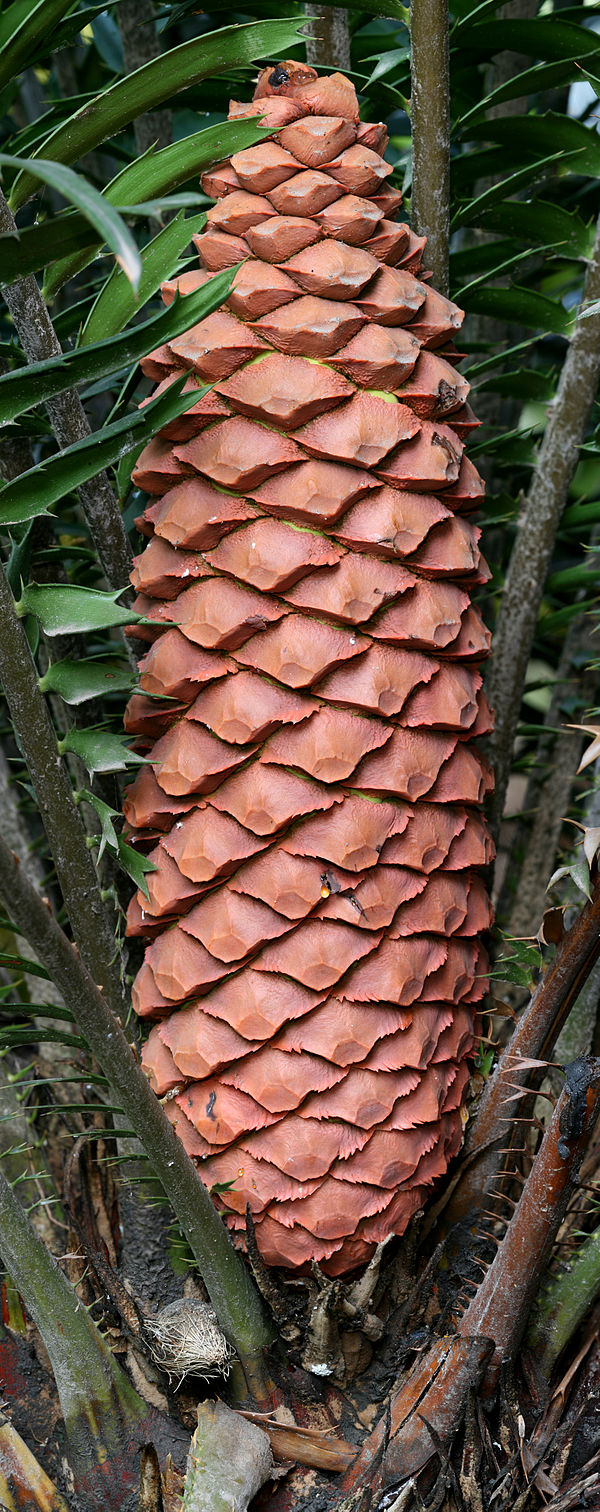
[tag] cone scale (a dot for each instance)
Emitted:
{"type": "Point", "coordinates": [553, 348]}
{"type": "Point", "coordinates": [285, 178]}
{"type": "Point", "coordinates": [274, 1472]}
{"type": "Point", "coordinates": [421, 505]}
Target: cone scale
{"type": "Point", "coordinates": [311, 700]}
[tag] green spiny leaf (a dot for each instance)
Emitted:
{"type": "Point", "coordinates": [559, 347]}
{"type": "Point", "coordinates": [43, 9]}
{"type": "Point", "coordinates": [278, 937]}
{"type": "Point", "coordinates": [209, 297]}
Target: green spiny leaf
{"type": "Point", "coordinates": [76, 681]}
{"type": "Point", "coordinates": [523, 305]}
{"type": "Point", "coordinates": [40, 381]}
{"type": "Point", "coordinates": [116, 302]}
{"type": "Point", "coordinates": [22, 27]}
{"type": "Point", "coordinates": [35, 491]}
{"type": "Point", "coordinates": [66, 609]}
{"type": "Point", "coordinates": [96, 209]}
{"type": "Point", "coordinates": [157, 81]}
{"type": "Point", "coordinates": [155, 172]}
{"type": "Point", "coordinates": [100, 750]}
{"type": "Point", "coordinates": [135, 865]}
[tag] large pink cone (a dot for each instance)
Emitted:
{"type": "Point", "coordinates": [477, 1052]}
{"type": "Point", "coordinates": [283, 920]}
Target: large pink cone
{"type": "Point", "coordinates": [310, 699]}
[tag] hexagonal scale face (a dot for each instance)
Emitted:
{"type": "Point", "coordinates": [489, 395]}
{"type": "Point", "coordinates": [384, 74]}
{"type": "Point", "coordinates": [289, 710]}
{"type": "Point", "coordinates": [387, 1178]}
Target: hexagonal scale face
{"type": "Point", "coordinates": [449, 703]}
{"type": "Point", "coordinates": [292, 885]}
{"type": "Point", "coordinates": [188, 759]}
{"type": "Point", "coordinates": [390, 1157]}
{"type": "Point", "coordinates": [147, 806]}
{"type": "Point", "coordinates": [373, 134]}
{"type": "Point", "coordinates": [265, 799]}
{"type": "Point", "coordinates": [315, 140]}
{"type": "Point", "coordinates": [383, 682]}
{"type": "Point", "coordinates": [389, 243]}
{"type": "Point", "coordinates": [185, 283]}
{"type": "Point", "coordinates": [332, 269]}
{"type": "Point", "coordinates": [271, 555]}
{"type": "Point", "coordinates": [279, 1081]}
{"type": "Point", "coordinates": [300, 651]}
{"type": "Point", "coordinates": [221, 615]}
{"type": "Point", "coordinates": [201, 1045]}
{"type": "Point", "coordinates": [359, 170]}
{"type": "Point", "coordinates": [159, 1066]}
{"type": "Point", "coordinates": [431, 460]}
{"type": "Point", "coordinates": [174, 668]}
{"type": "Point", "coordinates": [258, 288]}
{"type": "Point", "coordinates": [161, 571]}
{"type": "Point", "coordinates": [210, 844]}
{"type": "Point", "coordinates": [311, 327]}
{"type": "Point", "coordinates": [452, 551]}
{"type": "Point", "coordinates": [256, 1183]}
{"type": "Point", "coordinates": [238, 454]}
{"type": "Point", "coordinates": [261, 168]}
{"type": "Point", "coordinates": [351, 219]}
{"type": "Point", "coordinates": [429, 615]}
{"type": "Point", "coordinates": [426, 839]}
{"type": "Point", "coordinates": [181, 965]}
{"type": "Point", "coordinates": [216, 346]}
{"type": "Point", "coordinates": [378, 357]}
{"type": "Point", "coordinates": [256, 1004]}
{"type": "Point", "coordinates": [417, 1044]}
{"type": "Point", "coordinates": [334, 95]}
{"type": "Point", "coordinates": [147, 717]}
{"type": "Point", "coordinates": [337, 1207]}
{"type": "Point", "coordinates": [388, 200]}
{"type": "Point", "coordinates": [434, 389]}
{"type": "Point", "coordinates": [157, 468]}
{"type": "Point", "coordinates": [375, 899]}
{"type": "Point", "coordinates": [219, 250]}
{"type": "Point", "coordinates": [353, 836]}
{"type": "Point", "coordinates": [169, 892]}
{"type": "Point", "coordinates": [409, 765]}
{"type": "Point", "coordinates": [279, 237]}
{"type": "Point", "coordinates": [437, 320]}
{"type": "Point", "coordinates": [343, 1032]}
{"type": "Point", "coordinates": [231, 926]}
{"type": "Point", "coordinates": [305, 194]}
{"type": "Point", "coordinates": [221, 1113]}
{"type": "Point", "coordinates": [287, 391]}
{"type": "Point", "coordinates": [238, 212]}
{"type": "Point", "coordinates": [469, 490]}
{"type": "Point", "coordinates": [353, 591]}
{"type": "Point", "coordinates": [396, 972]}
{"type": "Point", "coordinates": [393, 298]}
{"type": "Point", "coordinates": [208, 407]}
{"type": "Point", "coordinates": [276, 112]}
{"type": "Point", "coordinates": [245, 707]}
{"type": "Point", "coordinates": [328, 746]}
{"type": "Point", "coordinates": [363, 1097]}
{"type": "Point", "coordinates": [316, 953]}
{"type": "Point", "coordinates": [196, 514]}
{"type": "Point", "coordinates": [363, 430]}
{"type": "Point", "coordinates": [303, 1147]}
{"type": "Point", "coordinates": [390, 522]}
{"type": "Point", "coordinates": [219, 181]}
{"type": "Point", "coordinates": [315, 492]}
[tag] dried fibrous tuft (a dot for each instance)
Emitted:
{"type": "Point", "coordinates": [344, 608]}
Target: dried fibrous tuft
{"type": "Point", "coordinates": [184, 1339]}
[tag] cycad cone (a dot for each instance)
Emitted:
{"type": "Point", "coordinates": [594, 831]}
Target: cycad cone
{"type": "Point", "coordinates": [312, 806]}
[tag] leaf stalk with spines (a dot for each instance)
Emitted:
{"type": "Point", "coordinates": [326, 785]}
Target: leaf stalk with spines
{"type": "Point", "coordinates": [68, 418]}
{"type": "Point", "coordinates": [501, 1305]}
{"type": "Point", "coordinates": [90, 920]}
{"type": "Point", "coordinates": [232, 1292]}
{"type": "Point", "coordinates": [533, 1038]}
{"type": "Point", "coordinates": [564, 1302]}
{"type": "Point", "coordinates": [538, 523]}
{"type": "Point", "coordinates": [103, 1413]}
